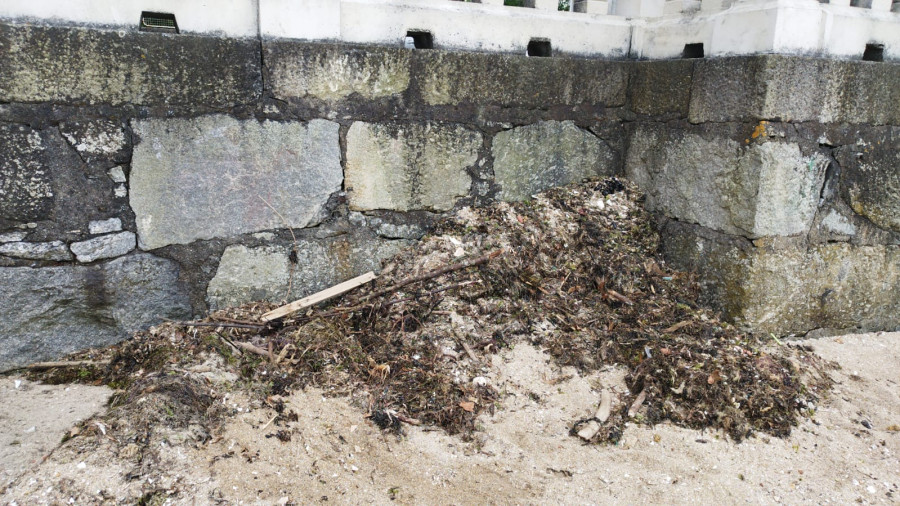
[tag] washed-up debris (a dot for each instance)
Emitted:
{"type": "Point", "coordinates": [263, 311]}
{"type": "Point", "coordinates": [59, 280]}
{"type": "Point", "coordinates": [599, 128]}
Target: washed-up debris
{"type": "Point", "coordinates": [603, 411]}
{"type": "Point", "coordinates": [574, 271]}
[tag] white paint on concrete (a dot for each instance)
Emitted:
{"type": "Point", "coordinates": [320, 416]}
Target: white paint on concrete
{"type": "Point", "coordinates": [234, 18]}
{"type": "Point", "coordinates": [651, 29]}
{"type": "Point", "coordinates": [481, 27]}
{"type": "Point", "coordinates": [781, 26]}
{"type": "Point", "coordinates": [300, 19]}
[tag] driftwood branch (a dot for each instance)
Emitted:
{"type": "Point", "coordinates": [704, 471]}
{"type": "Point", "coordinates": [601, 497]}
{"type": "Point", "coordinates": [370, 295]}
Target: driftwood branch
{"type": "Point", "coordinates": [220, 324]}
{"type": "Point", "coordinates": [60, 365]}
{"type": "Point", "coordinates": [435, 273]}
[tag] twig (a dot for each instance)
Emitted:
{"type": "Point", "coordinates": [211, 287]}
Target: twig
{"type": "Point", "coordinates": [469, 351]}
{"type": "Point", "coordinates": [59, 365]}
{"type": "Point", "coordinates": [618, 296]}
{"type": "Point", "coordinates": [465, 345]}
{"type": "Point", "coordinates": [251, 348]}
{"type": "Point", "coordinates": [435, 273]}
{"type": "Point", "coordinates": [268, 423]}
{"type": "Point", "coordinates": [294, 237]}
{"type": "Point", "coordinates": [229, 343]}
{"type": "Point", "coordinates": [232, 320]}
{"type": "Point", "coordinates": [220, 324]}
{"type": "Point", "coordinates": [405, 419]}
{"type": "Point", "coordinates": [351, 309]}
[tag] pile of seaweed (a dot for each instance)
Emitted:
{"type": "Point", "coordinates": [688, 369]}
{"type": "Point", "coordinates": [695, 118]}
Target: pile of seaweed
{"type": "Point", "coordinates": [575, 271]}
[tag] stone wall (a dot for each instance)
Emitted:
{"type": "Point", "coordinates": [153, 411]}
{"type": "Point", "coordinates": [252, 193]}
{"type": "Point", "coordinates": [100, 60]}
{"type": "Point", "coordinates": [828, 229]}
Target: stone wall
{"type": "Point", "coordinates": [777, 180]}
{"type": "Point", "coordinates": [147, 176]}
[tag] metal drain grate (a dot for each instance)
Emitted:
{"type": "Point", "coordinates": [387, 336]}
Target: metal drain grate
{"type": "Point", "coordinates": [158, 22]}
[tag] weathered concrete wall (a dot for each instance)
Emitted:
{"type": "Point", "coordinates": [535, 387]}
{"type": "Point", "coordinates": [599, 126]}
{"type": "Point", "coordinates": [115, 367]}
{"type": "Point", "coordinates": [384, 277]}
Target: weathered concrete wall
{"type": "Point", "coordinates": [182, 168]}
{"type": "Point", "coordinates": [778, 184]}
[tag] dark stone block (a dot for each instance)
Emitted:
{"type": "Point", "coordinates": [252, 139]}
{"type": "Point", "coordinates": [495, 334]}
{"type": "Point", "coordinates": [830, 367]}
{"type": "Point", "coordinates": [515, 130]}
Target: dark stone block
{"type": "Point", "coordinates": [452, 79]}
{"type": "Point", "coordinates": [792, 88]}
{"type": "Point", "coordinates": [45, 181]}
{"type": "Point", "coordinates": [48, 312]}
{"type": "Point", "coordinates": [661, 88]}
{"type": "Point", "coordinates": [26, 184]}
{"type": "Point", "coordinates": [870, 179]}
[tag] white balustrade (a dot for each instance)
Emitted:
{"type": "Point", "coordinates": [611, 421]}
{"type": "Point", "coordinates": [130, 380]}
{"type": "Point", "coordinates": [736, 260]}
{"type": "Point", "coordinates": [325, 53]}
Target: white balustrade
{"type": "Point", "coordinates": [614, 28]}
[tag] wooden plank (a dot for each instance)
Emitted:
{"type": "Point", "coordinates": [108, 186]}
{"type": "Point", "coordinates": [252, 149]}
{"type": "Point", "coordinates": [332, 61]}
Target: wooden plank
{"type": "Point", "coordinates": [315, 298]}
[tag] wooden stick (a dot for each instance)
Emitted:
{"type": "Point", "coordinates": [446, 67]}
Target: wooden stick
{"type": "Point", "coordinates": [219, 324]}
{"type": "Point", "coordinates": [435, 273]}
{"type": "Point", "coordinates": [251, 348]}
{"type": "Point", "coordinates": [268, 423]}
{"type": "Point", "coordinates": [618, 296]}
{"type": "Point", "coordinates": [469, 351]}
{"type": "Point", "coordinates": [54, 365]}
{"type": "Point", "coordinates": [229, 343]}
{"type": "Point", "coordinates": [315, 298]}
{"type": "Point", "coordinates": [405, 419]}
{"type": "Point", "coordinates": [232, 320]}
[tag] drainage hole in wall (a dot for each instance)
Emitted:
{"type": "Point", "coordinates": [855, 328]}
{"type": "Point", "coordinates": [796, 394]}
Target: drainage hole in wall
{"type": "Point", "coordinates": [539, 47]}
{"type": "Point", "coordinates": [419, 39]}
{"type": "Point", "coordinates": [693, 50]}
{"type": "Point", "coordinates": [874, 52]}
{"type": "Point", "coordinates": [158, 22]}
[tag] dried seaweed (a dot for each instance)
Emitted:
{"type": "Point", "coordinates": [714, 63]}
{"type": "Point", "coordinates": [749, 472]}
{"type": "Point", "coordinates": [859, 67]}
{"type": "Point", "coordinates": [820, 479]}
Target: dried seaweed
{"type": "Point", "coordinates": [579, 275]}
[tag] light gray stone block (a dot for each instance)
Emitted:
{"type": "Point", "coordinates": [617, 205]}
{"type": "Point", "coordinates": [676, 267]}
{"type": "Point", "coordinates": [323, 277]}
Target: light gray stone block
{"type": "Point", "coordinates": [97, 139]}
{"type": "Point", "coordinates": [85, 66]}
{"type": "Point", "coordinates": [330, 73]}
{"type": "Point", "coordinates": [870, 176]}
{"type": "Point", "coordinates": [54, 251]}
{"type": "Point", "coordinates": [264, 273]}
{"type": "Point", "coordinates": [533, 158]}
{"type": "Point", "coordinates": [216, 176]}
{"type": "Point", "coordinates": [795, 89]}
{"type": "Point", "coordinates": [784, 287]}
{"type": "Point", "coordinates": [26, 184]}
{"type": "Point", "coordinates": [411, 166]}
{"type": "Point", "coordinates": [105, 226]}
{"type": "Point", "coordinates": [458, 78]}
{"type": "Point", "coordinates": [761, 189]}
{"type": "Point", "coordinates": [116, 174]}
{"type": "Point", "coordinates": [12, 236]}
{"type": "Point", "coordinates": [105, 246]}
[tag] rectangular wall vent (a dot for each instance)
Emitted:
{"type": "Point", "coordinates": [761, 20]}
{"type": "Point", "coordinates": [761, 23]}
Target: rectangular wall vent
{"type": "Point", "coordinates": [158, 22]}
{"type": "Point", "coordinates": [421, 39]}
{"type": "Point", "coordinates": [874, 52]}
{"type": "Point", "coordinates": [694, 50]}
{"type": "Point", "coordinates": [539, 47]}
